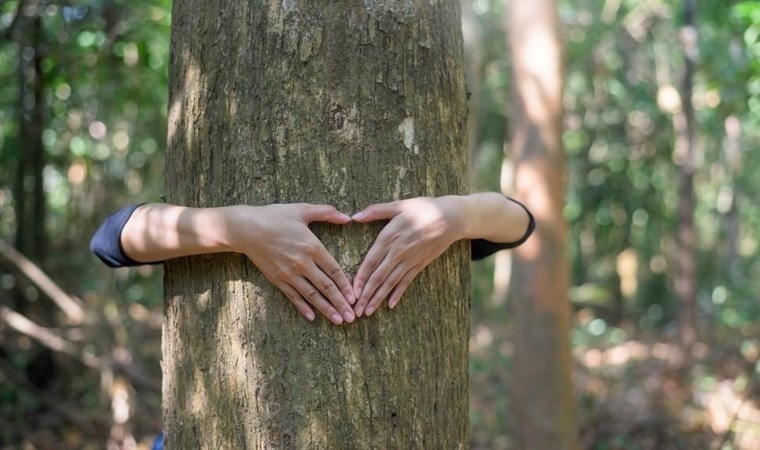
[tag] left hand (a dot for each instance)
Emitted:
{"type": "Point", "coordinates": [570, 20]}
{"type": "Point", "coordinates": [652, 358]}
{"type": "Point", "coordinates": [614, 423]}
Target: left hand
{"type": "Point", "coordinates": [420, 230]}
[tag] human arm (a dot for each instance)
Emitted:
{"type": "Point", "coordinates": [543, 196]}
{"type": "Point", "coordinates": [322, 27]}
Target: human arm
{"type": "Point", "coordinates": [276, 238]}
{"type": "Point", "coordinates": [421, 229]}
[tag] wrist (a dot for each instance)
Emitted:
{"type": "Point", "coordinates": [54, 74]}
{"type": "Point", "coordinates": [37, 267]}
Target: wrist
{"type": "Point", "coordinates": [466, 210]}
{"type": "Point", "coordinates": [461, 218]}
{"type": "Point", "coordinates": [217, 227]}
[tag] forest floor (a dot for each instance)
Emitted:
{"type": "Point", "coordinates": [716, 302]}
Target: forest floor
{"type": "Point", "coordinates": [630, 396]}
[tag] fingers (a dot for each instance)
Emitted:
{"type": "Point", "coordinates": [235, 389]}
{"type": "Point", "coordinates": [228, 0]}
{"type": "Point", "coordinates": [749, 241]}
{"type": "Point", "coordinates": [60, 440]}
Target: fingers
{"type": "Point", "coordinates": [379, 211]}
{"type": "Point", "coordinates": [297, 301]}
{"type": "Point", "coordinates": [310, 294]}
{"type": "Point", "coordinates": [388, 284]}
{"type": "Point", "coordinates": [321, 292]}
{"type": "Point", "coordinates": [368, 267]}
{"type": "Point", "coordinates": [330, 291]}
{"type": "Point", "coordinates": [313, 278]}
{"type": "Point", "coordinates": [336, 276]}
{"type": "Point", "coordinates": [323, 213]}
{"type": "Point", "coordinates": [400, 288]}
{"type": "Point", "coordinates": [325, 285]}
{"type": "Point", "coordinates": [377, 280]}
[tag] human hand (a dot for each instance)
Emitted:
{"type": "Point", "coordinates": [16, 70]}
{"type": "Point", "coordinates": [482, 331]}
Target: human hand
{"type": "Point", "coordinates": [420, 229]}
{"type": "Point", "coordinates": [277, 239]}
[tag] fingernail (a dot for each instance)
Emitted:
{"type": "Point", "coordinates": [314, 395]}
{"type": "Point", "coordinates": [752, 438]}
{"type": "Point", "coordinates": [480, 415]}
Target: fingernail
{"type": "Point", "coordinates": [310, 316]}
{"type": "Point", "coordinates": [345, 217]}
{"type": "Point", "coordinates": [359, 312]}
{"type": "Point", "coordinates": [350, 299]}
{"type": "Point", "coordinates": [349, 316]}
{"type": "Point", "coordinates": [392, 305]}
{"type": "Point", "coordinates": [359, 216]}
{"type": "Point", "coordinates": [370, 310]}
{"type": "Point", "coordinates": [337, 319]}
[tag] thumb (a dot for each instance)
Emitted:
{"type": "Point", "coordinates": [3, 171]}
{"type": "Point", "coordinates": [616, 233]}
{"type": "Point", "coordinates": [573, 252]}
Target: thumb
{"type": "Point", "coordinates": [378, 211]}
{"type": "Point", "coordinates": [324, 213]}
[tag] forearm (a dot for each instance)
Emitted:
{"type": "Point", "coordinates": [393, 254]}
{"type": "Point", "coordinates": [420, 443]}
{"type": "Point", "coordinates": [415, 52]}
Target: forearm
{"type": "Point", "coordinates": [157, 232]}
{"type": "Point", "coordinates": [494, 217]}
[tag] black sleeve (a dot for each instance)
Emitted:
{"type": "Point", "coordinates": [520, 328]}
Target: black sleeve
{"type": "Point", "coordinates": [106, 242]}
{"type": "Point", "coordinates": [482, 248]}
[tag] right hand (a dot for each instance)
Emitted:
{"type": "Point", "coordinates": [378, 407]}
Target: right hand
{"type": "Point", "coordinates": [277, 239]}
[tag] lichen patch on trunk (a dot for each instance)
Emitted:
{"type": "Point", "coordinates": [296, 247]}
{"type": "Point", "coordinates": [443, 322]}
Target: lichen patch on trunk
{"type": "Point", "coordinates": [406, 130]}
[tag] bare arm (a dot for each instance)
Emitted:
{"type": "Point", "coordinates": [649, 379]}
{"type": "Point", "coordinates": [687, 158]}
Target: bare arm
{"type": "Point", "coordinates": [276, 238]}
{"type": "Point", "coordinates": [494, 217]}
{"type": "Point", "coordinates": [157, 232]}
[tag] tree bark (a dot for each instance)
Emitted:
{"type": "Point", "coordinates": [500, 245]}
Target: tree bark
{"type": "Point", "coordinates": [346, 103]}
{"type": "Point", "coordinates": [542, 392]}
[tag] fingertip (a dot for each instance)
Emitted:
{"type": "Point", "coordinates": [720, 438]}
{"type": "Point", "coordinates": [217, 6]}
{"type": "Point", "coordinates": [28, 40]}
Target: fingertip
{"type": "Point", "coordinates": [343, 217]}
{"type": "Point", "coordinates": [360, 217]}
{"type": "Point", "coordinates": [336, 217]}
{"type": "Point", "coordinates": [325, 213]}
{"type": "Point", "coordinates": [310, 316]}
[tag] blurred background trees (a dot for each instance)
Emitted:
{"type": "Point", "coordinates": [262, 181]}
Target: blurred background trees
{"type": "Point", "coordinates": [653, 95]}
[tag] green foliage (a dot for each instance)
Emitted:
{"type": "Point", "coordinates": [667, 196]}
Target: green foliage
{"type": "Point", "coordinates": [624, 64]}
{"type": "Point", "coordinates": [623, 192]}
{"type": "Point", "coordinates": [103, 70]}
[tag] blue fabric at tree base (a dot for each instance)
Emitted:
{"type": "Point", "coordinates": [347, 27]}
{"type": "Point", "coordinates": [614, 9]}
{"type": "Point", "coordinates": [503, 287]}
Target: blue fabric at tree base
{"type": "Point", "coordinates": [158, 444]}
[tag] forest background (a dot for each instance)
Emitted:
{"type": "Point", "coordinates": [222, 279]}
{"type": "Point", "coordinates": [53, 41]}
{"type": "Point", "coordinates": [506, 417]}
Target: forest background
{"type": "Point", "coordinates": [83, 101]}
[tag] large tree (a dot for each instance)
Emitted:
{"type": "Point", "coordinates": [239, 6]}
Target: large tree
{"type": "Point", "coordinates": [541, 384]}
{"type": "Point", "coordinates": [347, 103]}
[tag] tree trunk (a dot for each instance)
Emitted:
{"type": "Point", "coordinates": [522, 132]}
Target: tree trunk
{"type": "Point", "coordinates": [346, 103]}
{"type": "Point", "coordinates": [542, 393]}
{"type": "Point", "coordinates": [29, 192]}
{"type": "Point", "coordinates": [732, 149]}
{"type": "Point", "coordinates": [686, 258]}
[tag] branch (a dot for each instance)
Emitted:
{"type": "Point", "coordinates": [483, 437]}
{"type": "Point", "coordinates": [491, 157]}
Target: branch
{"type": "Point", "coordinates": [71, 306]}
{"type": "Point", "coordinates": [47, 337]}
{"type": "Point", "coordinates": [54, 341]}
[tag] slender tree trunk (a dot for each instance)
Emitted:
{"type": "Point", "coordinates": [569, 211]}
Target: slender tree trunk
{"type": "Point", "coordinates": [686, 262]}
{"type": "Point", "coordinates": [30, 194]}
{"type": "Point", "coordinates": [346, 103]}
{"type": "Point", "coordinates": [473, 59]}
{"type": "Point", "coordinates": [733, 160]}
{"type": "Point", "coordinates": [542, 392]}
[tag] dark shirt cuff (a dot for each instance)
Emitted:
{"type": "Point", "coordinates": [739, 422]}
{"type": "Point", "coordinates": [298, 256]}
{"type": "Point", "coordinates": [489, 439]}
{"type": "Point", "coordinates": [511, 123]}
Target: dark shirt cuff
{"type": "Point", "coordinates": [106, 243]}
{"type": "Point", "coordinates": [482, 248]}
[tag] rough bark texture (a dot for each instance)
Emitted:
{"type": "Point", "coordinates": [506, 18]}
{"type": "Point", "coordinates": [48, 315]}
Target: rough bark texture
{"type": "Point", "coordinates": [346, 103]}
{"type": "Point", "coordinates": [542, 393]}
